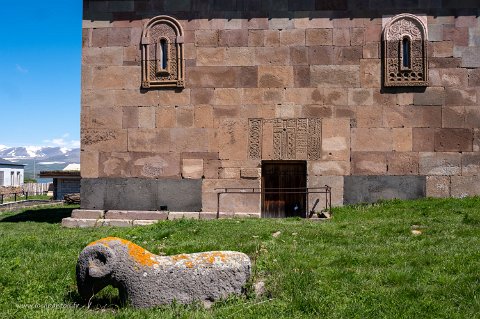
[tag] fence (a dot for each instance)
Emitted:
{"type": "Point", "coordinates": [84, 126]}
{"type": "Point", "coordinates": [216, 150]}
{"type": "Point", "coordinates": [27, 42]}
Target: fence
{"type": "Point", "coordinates": [37, 188]}
{"type": "Point", "coordinates": [326, 190]}
{"type": "Point", "coordinates": [14, 197]}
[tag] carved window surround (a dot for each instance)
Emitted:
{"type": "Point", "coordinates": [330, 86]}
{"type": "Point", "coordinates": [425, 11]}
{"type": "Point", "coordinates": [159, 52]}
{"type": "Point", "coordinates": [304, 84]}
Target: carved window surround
{"type": "Point", "coordinates": [405, 50]}
{"type": "Point", "coordinates": [293, 139]}
{"type": "Point", "coordinates": [163, 53]}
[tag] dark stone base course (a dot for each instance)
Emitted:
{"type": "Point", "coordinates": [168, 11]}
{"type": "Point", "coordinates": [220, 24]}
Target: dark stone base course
{"type": "Point", "coordinates": [141, 194]}
{"type": "Point", "coordinates": [369, 189]}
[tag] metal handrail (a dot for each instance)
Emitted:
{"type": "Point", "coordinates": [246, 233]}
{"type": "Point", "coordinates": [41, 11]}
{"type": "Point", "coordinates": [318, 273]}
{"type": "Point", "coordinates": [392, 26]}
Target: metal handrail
{"type": "Point", "coordinates": [26, 194]}
{"type": "Point", "coordinates": [327, 190]}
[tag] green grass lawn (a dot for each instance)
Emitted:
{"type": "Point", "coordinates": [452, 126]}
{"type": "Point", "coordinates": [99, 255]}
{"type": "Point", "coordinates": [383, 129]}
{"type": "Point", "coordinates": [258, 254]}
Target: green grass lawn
{"type": "Point", "coordinates": [364, 263]}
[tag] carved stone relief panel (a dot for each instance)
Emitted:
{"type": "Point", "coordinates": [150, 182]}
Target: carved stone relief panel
{"type": "Point", "coordinates": [162, 53]}
{"type": "Point", "coordinates": [405, 51]}
{"type": "Point", "coordinates": [293, 139]}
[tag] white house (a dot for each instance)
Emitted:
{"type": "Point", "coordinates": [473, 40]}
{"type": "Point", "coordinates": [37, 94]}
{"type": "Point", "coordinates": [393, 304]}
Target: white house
{"type": "Point", "coordinates": [11, 174]}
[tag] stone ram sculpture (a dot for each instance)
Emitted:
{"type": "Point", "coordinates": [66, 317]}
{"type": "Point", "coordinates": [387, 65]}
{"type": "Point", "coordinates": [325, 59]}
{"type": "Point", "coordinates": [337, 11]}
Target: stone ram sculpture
{"type": "Point", "coordinates": [147, 280]}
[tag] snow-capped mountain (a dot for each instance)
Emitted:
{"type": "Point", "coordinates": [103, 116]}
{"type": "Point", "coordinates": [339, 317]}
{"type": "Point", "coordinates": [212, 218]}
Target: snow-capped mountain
{"type": "Point", "coordinates": [17, 154]}
{"type": "Point", "coordinates": [37, 158]}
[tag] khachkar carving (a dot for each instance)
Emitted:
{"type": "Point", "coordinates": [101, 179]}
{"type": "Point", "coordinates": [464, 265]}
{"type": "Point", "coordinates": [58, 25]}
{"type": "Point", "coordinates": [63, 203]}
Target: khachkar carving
{"type": "Point", "coordinates": [162, 53]}
{"type": "Point", "coordinates": [405, 51]}
{"type": "Point", "coordinates": [293, 139]}
{"type": "Point", "coordinates": [255, 138]}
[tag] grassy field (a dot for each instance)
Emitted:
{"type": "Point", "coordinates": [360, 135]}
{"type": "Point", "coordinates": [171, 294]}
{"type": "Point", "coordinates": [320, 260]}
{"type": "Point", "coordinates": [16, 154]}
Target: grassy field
{"type": "Point", "coordinates": [396, 259]}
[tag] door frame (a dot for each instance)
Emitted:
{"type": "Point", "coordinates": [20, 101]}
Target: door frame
{"type": "Point", "coordinates": [285, 162]}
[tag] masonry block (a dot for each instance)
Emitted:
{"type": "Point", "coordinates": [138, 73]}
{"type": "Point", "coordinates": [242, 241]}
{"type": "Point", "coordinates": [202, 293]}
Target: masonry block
{"type": "Point", "coordinates": [232, 139]}
{"type": "Point", "coordinates": [292, 37]}
{"type": "Point", "coordinates": [332, 168]}
{"type": "Point", "coordinates": [360, 97]}
{"type": "Point", "coordinates": [136, 215]}
{"type": "Point", "coordinates": [460, 97]}
{"type": "Point", "coordinates": [208, 215]}
{"type": "Point", "coordinates": [440, 164]}
{"type": "Point", "coordinates": [463, 186]}
{"type": "Point", "coordinates": [87, 214]}
{"type": "Point", "coordinates": [70, 222]}
{"type": "Point", "coordinates": [423, 139]}
{"type": "Point", "coordinates": [275, 76]}
{"type": "Point", "coordinates": [402, 163]}
{"type": "Point", "coordinates": [453, 139]}
{"type": "Point", "coordinates": [438, 186]}
{"type": "Point", "coordinates": [90, 163]}
{"type": "Point", "coordinates": [335, 75]}
{"type": "Point", "coordinates": [368, 163]}
{"type": "Point", "coordinates": [183, 215]}
{"type": "Point", "coordinates": [102, 56]}
{"type": "Point", "coordinates": [116, 222]}
{"type": "Point", "coordinates": [372, 139]}
{"type": "Point", "coordinates": [431, 96]}
{"type": "Point", "coordinates": [104, 140]}
{"type": "Point", "coordinates": [208, 56]}
{"type": "Point", "coordinates": [141, 194]}
{"type": "Point", "coordinates": [453, 117]}
{"type": "Point", "coordinates": [321, 55]}
{"type": "Point", "coordinates": [370, 189]}
{"type": "Point", "coordinates": [470, 164]}
{"type": "Point", "coordinates": [316, 37]}
{"type": "Point", "coordinates": [272, 56]}
{"type": "Point", "coordinates": [336, 139]}
{"type": "Point", "coordinates": [206, 38]}
{"type": "Point", "coordinates": [370, 75]}
{"type": "Point", "coordinates": [471, 57]}
{"type": "Point", "coordinates": [472, 116]}
{"type": "Point", "coordinates": [335, 182]}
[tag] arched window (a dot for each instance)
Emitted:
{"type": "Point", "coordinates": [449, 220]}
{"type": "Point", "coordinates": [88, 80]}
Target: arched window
{"type": "Point", "coordinates": [162, 56]}
{"type": "Point", "coordinates": [162, 53]}
{"type": "Point", "coordinates": [405, 51]}
{"type": "Point", "coordinates": [406, 46]}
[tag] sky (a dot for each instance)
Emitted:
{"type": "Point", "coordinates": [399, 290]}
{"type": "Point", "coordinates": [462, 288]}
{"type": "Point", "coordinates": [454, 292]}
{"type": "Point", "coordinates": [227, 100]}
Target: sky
{"type": "Point", "coordinates": [40, 58]}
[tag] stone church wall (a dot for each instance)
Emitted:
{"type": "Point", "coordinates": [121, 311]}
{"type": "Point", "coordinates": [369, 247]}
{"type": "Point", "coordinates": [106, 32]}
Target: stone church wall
{"type": "Point", "coordinates": [277, 60]}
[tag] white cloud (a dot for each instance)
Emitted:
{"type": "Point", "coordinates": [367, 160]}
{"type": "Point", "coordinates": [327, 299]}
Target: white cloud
{"type": "Point", "coordinates": [21, 69]}
{"type": "Point", "coordinates": [63, 141]}
{"type": "Point", "coordinates": [2, 147]}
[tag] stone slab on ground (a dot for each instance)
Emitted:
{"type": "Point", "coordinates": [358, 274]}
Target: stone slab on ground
{"type": "Point", "coordinates": [185, 215]}
{"type": "Point", "coordinates": [144, 222]}
{"type": "Point", "coordinates": [70, 222]}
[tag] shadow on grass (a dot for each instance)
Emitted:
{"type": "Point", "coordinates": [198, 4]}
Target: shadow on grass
{"type": "Point", "coordinates": [46, 215]}
{"type": "Point", "coordinates": [99, 301]}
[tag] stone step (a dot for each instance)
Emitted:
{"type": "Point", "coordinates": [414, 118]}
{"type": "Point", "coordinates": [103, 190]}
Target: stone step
{"type": "Point", "coordinates": [87, 214]}
{"type": "Point", "coordinates": [115, 218]}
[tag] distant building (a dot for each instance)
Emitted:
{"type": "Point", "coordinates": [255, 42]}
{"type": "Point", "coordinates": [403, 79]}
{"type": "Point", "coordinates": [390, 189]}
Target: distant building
{"type": "Point", "coordinates": [66, 181]}
{"type": "Point", "coordinates": [11, 174]}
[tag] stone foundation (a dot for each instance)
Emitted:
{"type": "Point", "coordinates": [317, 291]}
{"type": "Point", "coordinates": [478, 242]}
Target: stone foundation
{"type": "Point", "coordinates": [117, 218]}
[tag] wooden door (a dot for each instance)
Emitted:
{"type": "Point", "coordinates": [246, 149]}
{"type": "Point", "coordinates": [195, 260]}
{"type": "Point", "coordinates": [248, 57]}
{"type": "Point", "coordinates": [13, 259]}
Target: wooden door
{"type": "Point", "coordinates": [282, 185]}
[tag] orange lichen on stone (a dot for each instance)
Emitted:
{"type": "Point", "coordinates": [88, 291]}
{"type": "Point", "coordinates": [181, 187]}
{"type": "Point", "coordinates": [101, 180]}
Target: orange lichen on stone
{"type": "Point", "coordinates": [180, 257]}
{"type": "Point", "coordinates": [138, 254]}
{"type": "Point", "coordinates": [211, 256]}
{"type": "Point", "coordinates": [189, 264]}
